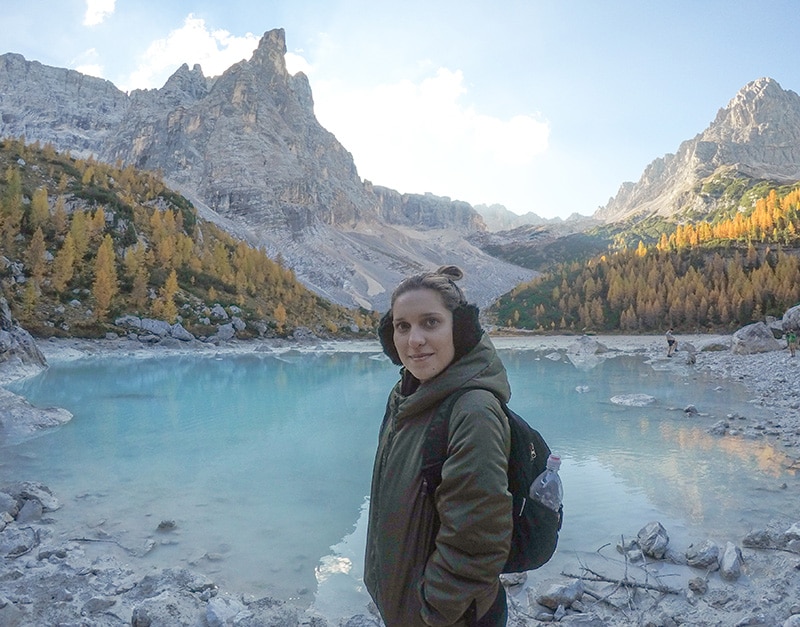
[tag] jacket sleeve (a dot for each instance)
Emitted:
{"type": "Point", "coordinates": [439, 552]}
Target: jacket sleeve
{"type": "Point", "coordinates": [474, 508]}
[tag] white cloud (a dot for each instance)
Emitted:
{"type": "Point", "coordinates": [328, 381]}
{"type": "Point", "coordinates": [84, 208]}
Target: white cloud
{"type": "Point", "coordinates": [193, 43]}
{"type": "Point", "coordinates": [88, 62]}
{"type": "Point", "coordinates": [421, 137]}
{"type": "Point", "coordinates": [92, 69]}
{"type": "Point", "coordinates": [297, 63]}
{"type": "Point", "coordinates": [97, 11]}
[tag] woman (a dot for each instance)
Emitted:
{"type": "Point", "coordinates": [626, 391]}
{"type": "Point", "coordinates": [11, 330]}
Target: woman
{"type": "Point", "coordinates": [437, 561]}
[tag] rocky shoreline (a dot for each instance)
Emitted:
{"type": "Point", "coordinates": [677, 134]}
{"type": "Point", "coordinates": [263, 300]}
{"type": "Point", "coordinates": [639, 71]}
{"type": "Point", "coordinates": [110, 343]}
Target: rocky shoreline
{"type": "Point", "coordinates": [753, 580]}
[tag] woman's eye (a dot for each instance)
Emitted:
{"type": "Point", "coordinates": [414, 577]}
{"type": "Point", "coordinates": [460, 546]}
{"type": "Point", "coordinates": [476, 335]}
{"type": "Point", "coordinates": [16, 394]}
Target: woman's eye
{"type": "Point", "coordinates": [400, 327]}
{"type": "Point", "coordinates": [431, 322]}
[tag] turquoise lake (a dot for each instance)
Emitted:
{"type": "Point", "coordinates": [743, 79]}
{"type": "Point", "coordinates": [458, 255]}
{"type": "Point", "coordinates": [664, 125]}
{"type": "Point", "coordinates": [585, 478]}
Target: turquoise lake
{"type": "Point", "coordinates": [263, 460]}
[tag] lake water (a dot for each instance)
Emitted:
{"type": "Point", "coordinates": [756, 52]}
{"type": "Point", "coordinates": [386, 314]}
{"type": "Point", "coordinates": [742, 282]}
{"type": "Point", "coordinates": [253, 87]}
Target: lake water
{"type": "Point", "coordinates": [263, 460]}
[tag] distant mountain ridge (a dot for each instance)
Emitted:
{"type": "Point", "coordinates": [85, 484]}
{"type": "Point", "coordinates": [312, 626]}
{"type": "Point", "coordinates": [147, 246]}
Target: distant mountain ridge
{"type": "Point", "coordinates": [757, 135]}
{"type": "Point", "coordinates": [246, 148]}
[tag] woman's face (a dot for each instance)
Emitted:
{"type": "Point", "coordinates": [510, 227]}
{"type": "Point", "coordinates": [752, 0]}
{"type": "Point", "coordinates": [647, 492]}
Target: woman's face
{"type": "Point", "coordinates": [423, 332]}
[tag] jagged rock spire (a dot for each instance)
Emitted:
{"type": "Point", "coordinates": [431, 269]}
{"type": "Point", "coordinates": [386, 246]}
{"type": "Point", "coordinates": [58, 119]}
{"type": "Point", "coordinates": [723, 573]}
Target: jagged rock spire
{"type": "Point", "coordinates": [271, 52]}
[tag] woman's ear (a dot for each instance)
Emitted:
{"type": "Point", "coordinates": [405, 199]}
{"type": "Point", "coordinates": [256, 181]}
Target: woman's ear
{"type": "Point", "coordinates": [386, 336]}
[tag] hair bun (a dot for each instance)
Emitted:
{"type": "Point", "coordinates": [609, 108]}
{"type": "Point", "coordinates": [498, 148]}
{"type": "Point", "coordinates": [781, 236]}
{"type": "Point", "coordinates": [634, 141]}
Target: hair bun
{"type": "Point", "coordinates": [454, 273]}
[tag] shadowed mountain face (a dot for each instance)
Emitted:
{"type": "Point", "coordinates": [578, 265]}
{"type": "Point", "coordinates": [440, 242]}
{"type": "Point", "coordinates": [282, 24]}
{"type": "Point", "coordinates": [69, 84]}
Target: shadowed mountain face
{"type": "Point", "coordinates": [247, 150]}
{"type": "Point", "coordinates": [757, 135]}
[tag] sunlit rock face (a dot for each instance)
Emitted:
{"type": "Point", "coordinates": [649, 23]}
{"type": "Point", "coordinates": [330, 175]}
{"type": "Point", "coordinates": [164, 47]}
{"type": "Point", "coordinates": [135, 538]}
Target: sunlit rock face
{"type": "Point", "coordinates": [757, 135]}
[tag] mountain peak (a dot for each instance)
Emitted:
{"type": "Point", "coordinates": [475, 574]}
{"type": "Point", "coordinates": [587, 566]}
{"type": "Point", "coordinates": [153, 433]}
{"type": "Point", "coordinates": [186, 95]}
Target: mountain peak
{"type": "Point", "coordinates": [757, 135]}
{"type": "Point", "coordinates": [271, 51]}
{"type": "Point", "coordinates": [191, 82]}
{"type": "Point", "coordinates": [760, 93]}
{"type": "Point", "coordinates": [762, 108]}
{"type": "Point", "coordinates": [763, 87]}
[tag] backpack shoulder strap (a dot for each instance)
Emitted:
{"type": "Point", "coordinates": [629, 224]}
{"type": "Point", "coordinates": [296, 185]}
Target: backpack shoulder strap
{"type": "Point", "coordinates": [434, 448]}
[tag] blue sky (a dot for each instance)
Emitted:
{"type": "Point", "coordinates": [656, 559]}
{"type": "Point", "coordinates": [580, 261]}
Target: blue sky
{"type": "Point", "coordinates": [544, 106]}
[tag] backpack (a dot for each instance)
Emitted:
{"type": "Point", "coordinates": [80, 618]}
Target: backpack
{"type": "Point", "coordinates": [536, 527]}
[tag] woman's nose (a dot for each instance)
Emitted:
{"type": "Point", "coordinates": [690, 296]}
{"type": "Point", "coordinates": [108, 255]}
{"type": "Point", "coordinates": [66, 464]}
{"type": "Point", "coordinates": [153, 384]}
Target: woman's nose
{"type": "Point", "coordinates": [416, 337]}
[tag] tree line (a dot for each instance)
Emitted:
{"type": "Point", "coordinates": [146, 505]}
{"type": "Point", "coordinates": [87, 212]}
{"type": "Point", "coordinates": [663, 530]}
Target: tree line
{"type": "Point", "coordinates": [702, 276]}
{"type": "Point", "coordinates": [121, 240]}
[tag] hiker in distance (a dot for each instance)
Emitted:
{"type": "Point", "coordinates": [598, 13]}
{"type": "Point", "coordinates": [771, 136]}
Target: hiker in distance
{"type": "Point", "coordinates": [791, 341]}
{"type": "Point", "coordinates": [672, 343]}
{"type": "Point", "coordinates": [437, 561]}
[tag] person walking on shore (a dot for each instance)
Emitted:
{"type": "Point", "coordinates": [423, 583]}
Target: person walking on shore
{"type": "Point", "coordinates": [672, 343]}
{"type": "Point", "coordinates": [437, 561]}
{"type": "Point", "coordinates": [791, 341]}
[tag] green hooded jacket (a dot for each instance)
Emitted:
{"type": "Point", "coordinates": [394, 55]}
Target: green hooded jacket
{"type": "Point", "coordinates": [413, 580]}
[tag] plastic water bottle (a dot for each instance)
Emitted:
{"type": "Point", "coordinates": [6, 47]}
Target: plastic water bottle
{"type": "Point", "coordinates": [547, 488]}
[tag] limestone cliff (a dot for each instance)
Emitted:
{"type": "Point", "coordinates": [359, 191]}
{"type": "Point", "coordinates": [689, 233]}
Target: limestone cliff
{"type": "Point", "coordinates": [68, 109]}
{"type": "Point", "coordinates": [426, 211]}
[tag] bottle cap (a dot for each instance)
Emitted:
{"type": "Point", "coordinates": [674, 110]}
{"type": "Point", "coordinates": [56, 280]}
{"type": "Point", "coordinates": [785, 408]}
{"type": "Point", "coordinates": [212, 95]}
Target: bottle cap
{"type": "Point", "coordinates": [554, 461]}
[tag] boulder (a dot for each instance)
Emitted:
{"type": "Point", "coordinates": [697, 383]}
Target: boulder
{"type": "Point", "coordinates": [554, 594]}
{"type": "Point", "coordinates": [14, 268]}
{"type": "Point", "coordinates": [16, 541]}
{"type": "Point", "coordinates": [225, 332]}
{"type": "Point", "coordinates": [8, 504]}
{"type": "Point", "coordinates": [223, 610]}
{"type": "Point", "coordinates": [156, 327]}
{"type": "Point", "coordinates": [653, 539]}
{"type": "Point", "coordinates": [704, 555]}
{"type": "Point", "coordinates": [30, 511]}
{"type": "Point", "coordinates": [730, 564]}
{"type": "Point", "coordinates": [23, 491]}
{"type": "Point", "coordinates": [719, 428]}
{"type": "Point", "coordinates": [791, 319]}
{"type": "Point", "coordinates": [129, 321]}
{"type": "Point", "coordinates": [179, 333]}
{"type": "Point", "coordinates": [715, 346]}
{"type": "Point", "coordinates": [586, 352]}
{"type": "Point", "coordinates": [218, 312]}
{"type": "Point", "coordinates": [775, 325]}
{"type": "Point", "coordinates": [19, 354]}
{"type": "Point", "coordinates": [586, 345]}
{"type": "Point", "coordinates": [758, 539]}
{"type": "Point", "coordinates": [20, 420]}
{"type": "Point", "coordinates": [689, 352]}
{"type": "Point", "coordinates": [793, 532]}
{"type": "Point", "coordinates": [754, 338]}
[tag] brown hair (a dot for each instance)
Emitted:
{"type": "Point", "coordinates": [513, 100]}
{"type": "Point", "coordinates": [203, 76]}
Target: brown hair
{"type": "Point", "coordinates": [441, 281]}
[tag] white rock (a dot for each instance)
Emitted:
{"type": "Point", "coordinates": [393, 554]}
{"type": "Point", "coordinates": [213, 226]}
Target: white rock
{"type": "Point", "coordinates": [633, 400]}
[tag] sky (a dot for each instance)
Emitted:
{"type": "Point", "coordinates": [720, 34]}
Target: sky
{"type": "Point", "coordinates": [537, 105]}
